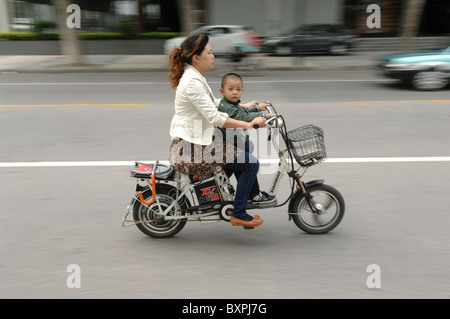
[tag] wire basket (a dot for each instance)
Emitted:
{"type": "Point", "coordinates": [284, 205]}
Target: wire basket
{"type": "Point", "coordinates": [308, 145]}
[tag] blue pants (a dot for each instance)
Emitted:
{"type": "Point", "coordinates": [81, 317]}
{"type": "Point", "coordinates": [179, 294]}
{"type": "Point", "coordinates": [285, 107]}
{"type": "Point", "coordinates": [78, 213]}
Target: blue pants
{"type": "Point", "coordinates": [246, 166]}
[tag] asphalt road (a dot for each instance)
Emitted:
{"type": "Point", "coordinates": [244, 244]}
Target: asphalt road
{"type": "Point", "coordinates": [52, 217]}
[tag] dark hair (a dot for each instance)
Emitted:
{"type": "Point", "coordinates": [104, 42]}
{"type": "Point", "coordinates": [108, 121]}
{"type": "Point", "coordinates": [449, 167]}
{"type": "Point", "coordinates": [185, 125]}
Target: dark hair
{"type": "Point", "coordinates": [192, 45]}
{"type": "Point", "coordinates": [230, 76]}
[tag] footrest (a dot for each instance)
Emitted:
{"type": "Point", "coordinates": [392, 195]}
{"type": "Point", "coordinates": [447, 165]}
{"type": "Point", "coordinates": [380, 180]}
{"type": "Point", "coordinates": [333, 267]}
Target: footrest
{"type": "Point", "coordinates": [262, 206]}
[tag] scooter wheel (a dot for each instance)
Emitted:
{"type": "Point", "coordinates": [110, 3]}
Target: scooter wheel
{"type": "Point", "coordinates": [330, 205]}
{"type": "Point", "coordinates": [148, 219]}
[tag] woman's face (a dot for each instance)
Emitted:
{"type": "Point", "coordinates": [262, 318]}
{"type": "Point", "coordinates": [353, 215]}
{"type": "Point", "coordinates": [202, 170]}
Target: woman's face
{"type": "Point", "coordinates": [204, 61]}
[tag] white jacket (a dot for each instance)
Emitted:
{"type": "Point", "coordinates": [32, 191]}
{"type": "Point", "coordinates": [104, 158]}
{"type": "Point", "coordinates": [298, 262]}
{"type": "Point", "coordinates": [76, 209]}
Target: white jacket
{"type": "Point", "coordinates": [196, 109]}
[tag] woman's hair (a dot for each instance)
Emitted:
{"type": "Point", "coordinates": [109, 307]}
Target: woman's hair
{"type": "Point", "coordinates": [193, 45]}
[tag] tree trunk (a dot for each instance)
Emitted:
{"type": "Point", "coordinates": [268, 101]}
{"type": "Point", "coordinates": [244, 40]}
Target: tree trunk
{"type": "Point", "coordinates": [411, 23]}
{"type": "Point", "coordinates": [140, 28]}
{"type": "Point", "coordinates": [185, 14]}
{"type": "Point", "coordinates": [69, 42]}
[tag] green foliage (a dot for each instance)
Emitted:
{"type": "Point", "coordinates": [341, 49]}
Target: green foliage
{"type": "Point", "coordinates": [101, 35]}
{"type": "Point", "coordinates": [27, 36]}
{"type": "Point", "coordinates": [127, 26]}
{"type": "Point", "coordinates": [159, 35]}
{"type": "Point", "coordinates": [41, 25]}
{"type": "Point", "coordinates": [87, 36]}
{"type": "Point", "coordinates": [125, 36]}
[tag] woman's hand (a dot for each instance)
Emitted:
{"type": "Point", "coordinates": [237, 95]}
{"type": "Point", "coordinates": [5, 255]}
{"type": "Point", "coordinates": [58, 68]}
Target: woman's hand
{"type": "Point", "coordinates": [260, 121]}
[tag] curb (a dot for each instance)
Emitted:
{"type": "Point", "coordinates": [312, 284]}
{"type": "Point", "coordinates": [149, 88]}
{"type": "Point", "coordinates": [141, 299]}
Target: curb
{"type": "Point", "coordinates": [143, 70]}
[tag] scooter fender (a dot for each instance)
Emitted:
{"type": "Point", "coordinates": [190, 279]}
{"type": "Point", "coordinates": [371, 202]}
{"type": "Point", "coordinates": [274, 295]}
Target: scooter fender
{"type": "Point", "coordinates": [299, 192]}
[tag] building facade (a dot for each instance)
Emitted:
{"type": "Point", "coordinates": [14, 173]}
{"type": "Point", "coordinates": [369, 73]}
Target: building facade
{"type": "Point", "coordinates": [21, 15]}
{"type": "Point", "coordinates": [272, 17]}
{"type": "Point", "coordinates": [265, 17]}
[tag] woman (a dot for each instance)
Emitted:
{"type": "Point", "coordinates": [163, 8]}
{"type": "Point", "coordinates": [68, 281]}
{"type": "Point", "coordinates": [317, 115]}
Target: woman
{"type": "Point", "coordinates": [196, 115]}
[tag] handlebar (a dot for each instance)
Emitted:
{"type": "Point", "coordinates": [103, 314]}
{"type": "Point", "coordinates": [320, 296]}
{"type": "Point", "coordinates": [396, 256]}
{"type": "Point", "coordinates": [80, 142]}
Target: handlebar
{"type": "Point", "coordinates": [270, 108]}
{"type": "Point", "coordinates": [273, 119]}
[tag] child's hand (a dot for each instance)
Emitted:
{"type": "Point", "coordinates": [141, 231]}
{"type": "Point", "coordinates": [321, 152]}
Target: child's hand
{"type": "Point", "coordinates": [248, 104]}
{"type": "Point", "coordinates": [263, 106]}
{"type": "Point", "coordinates": [270, 115]}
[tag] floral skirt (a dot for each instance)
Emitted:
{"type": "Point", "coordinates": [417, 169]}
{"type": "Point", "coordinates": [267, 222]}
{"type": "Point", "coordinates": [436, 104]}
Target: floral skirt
{"type": "Point", "coordinates": [196, 159]}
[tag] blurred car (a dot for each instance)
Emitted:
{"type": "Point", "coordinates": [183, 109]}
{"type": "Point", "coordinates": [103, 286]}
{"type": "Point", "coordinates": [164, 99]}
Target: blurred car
{"type": "Point", "coordinates": [428, 70]}
{"type": "Point", "coordinates": [330, 38]}
{"type": "Point", "coordinates": [224, 40]}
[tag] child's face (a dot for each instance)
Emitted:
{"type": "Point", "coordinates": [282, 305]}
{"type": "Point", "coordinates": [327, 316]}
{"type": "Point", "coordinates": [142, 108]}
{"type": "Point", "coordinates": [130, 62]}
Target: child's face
{"type": "Point", "coordinates": [232, 90]}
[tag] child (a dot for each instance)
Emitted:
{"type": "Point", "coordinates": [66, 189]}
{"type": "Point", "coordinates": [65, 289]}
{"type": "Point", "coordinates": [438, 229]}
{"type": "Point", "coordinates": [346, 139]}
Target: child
{"type": "Point", "coordinates": [231, 89]}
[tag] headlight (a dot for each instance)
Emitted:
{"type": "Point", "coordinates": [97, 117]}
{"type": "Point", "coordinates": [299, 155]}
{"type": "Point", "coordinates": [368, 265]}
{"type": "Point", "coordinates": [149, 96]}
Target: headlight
{"type": "Point", "coordinates": [271, 42]}
{"type": "Point", "coordinates": [393, 66]}
{"type": "Point", "coordinates": [280, 122]}
{"type": "Point", "coordinates": [275, 122]}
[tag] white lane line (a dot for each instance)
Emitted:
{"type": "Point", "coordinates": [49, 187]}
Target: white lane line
{"type": "Point", "coordinates": [83, 83]}
{"type": "Point", "coordinates": [389, 159]}
{"type": "Point", "coordinates": [68, 164]}
{"type": "Point", "coordinates": [262, 161]}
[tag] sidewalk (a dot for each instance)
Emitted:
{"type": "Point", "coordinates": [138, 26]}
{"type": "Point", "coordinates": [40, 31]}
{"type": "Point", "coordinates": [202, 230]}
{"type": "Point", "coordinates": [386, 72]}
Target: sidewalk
{"type": "Point", "coordinates": [159, 63]}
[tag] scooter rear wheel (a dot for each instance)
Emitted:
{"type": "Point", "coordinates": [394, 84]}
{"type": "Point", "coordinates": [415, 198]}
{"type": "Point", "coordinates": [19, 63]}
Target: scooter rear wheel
{"type": "Point", "coordinates": [331, 205]}
{"type": "Point", "coordinates": [146, 215]}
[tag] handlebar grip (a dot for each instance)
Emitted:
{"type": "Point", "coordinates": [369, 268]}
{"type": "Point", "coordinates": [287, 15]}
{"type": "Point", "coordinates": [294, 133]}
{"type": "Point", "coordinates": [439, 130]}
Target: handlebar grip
{"type": "Point", "coordinates": [256, 126]}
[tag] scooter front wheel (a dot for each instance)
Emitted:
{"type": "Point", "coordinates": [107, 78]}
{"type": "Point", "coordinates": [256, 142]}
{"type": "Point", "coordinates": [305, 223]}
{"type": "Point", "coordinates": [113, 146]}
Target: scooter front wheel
{"type": "Point", "coordinates": [146, 215]}
{"type": "Point", "coordinates": [330, 207]}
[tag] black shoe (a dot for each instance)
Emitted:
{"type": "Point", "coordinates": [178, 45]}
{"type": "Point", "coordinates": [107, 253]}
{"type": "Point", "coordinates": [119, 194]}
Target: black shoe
{"type": "Point", "coordinates": [263, 198]}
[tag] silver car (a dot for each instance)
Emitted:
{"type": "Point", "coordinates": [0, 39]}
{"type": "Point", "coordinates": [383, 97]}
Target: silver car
{"type": "Point", "coordinates": [224, 39]}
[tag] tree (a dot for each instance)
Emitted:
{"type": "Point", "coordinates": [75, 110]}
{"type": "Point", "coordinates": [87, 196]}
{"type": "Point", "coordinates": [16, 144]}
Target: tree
{"type": "Point", "coordinates": [70, 42]}
{"type": "Point", "coordinates": [185, 14]}
{"type": "Point", "coordinates": [411, 23]}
